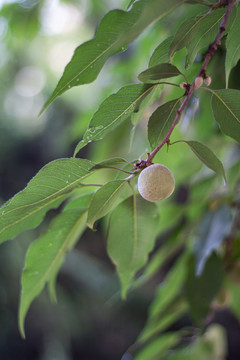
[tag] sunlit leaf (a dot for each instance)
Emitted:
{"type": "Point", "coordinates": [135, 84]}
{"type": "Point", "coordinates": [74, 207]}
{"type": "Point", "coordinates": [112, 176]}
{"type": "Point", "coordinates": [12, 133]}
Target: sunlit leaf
{"type": "Point", "coordinates": [158, 72]}
{"type": "Point", "coordinates": [201, 290]}
{"type": "Point", "coordinates": [207, 157]}
{"type": "Point", "coordinates": [211, 232]}
{"type": "Point", "coordinates": [117, 29]}
{"type": "Point", "coordinates": [161, 121]}
{"type": "Point", "coordinates": [233, 46]}
{"type": "Point", "coordinates": [226, 111]}
{"type": "Point", "coordinates": [45, 191]}
{"type": "Point", "coordinates": [131, 237]}
{"type": "Point", "coordinates": [104, 199]}
{"type": "Point", "coordinates": [160, 54]}
{"type": "Point", "coordinates": [113, 111]}
{"type": "Point", "coordinates": [45, 256]}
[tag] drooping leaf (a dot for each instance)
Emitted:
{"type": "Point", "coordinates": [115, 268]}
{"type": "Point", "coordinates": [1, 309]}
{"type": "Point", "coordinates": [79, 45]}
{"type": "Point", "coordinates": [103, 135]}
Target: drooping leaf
{"type": "Point", "coordinates": [211, 233]}
{"type": "Point", "coordinates": [201, 290]}
{"type": "Point", "coordinates": [158, 72]}
{"type": "Point", "coordinates": [160, 54]}
{"type": "Point", "coordinates": [166, 306]}
{"type": "Point", "coordinates": [131, 236]}
{"type": "Point", "coordinates": [161, 121]}
{"type": "Point", "coordinates": [112, 112]}
{"type": "Point", "coordinates": [232, 46]}
{"type": "Point", "coordinates": [45, 256]}
{"type": "Point", "coordinates": [207, 157]}
{"type": "Point", "coordinates": [159, 324]}
{"type": "Point", "coordinates": [79, 202]}
{"type": "Point", "coordinates": [158, 347]}
{"type": "Point", "coordinates": [104, 199]}
{"type": "Point", "coordinates": [185, 34]}
{"type": "Point", "coordinates": [204, 35]}
{"type": "Point", "coordinates": [47, 190]}
{"type": "Point", "coordinates": [117, 29]}
{"type": "Point", "coordinates": [226, 111]}
{"type": "Point", "coordinates": [171, 287]}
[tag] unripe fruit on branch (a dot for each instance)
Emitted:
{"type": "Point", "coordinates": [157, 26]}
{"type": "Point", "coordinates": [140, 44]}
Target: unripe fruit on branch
{"type": "Point", "coordinates": [198, 82]}
{"type": "Point", "coordinates": [208, 80]}
{"type": "Point", "coordinates": [156, 182]}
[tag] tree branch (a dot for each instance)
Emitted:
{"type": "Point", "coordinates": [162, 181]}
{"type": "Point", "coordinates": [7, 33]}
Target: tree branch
{"type": "Point", "coordinates": [190, 88]}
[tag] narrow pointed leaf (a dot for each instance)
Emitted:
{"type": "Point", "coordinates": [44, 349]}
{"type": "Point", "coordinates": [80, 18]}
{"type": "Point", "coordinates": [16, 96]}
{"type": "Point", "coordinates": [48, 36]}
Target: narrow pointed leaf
{"type": "Point", "coordinates": [161, 121]}
{"type": "Point", "coordinates": [45, 256]}
{"type": "Point", "coordinates": [233, 46]}
{"type": "Point", "coordinates": [112, 112]}
{"type": "Point", "coordinates": [115, 32]}
{"type": "Point", "coordinates": [207, 157]}
{"type": "Point", "coordinates": [47, 190]}
{"type": "Point", "coordinates": [201, 290]}
{"type": "Point", "coordinates": [104, 199]}
{"type": "Point", "coordinates": [131, 237]}
{"type": "Point", "coordinates": [206, 33]}
{"type": "Point", "coordinates": [167, 294]}
{"type": "Point", "coordinates": [111, 162]}
{"type": "Point", "coordinates": [158, 348]}
{"type": "Point", "coordinates": [160, 54]}
{"type": "Point", "coordinates": [226, 111]}
{"type": "Point", "coordinates": [158, 72]}
{"type": "Point", "coordinates": [78, 204]}
{"type": "Point", "coordinates": [185, 34]}
{"type": "Point", "coordinates": [212, 231]}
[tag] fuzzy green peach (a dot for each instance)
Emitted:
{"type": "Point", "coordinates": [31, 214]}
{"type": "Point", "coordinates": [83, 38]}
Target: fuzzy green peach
{"type": "Point", "coordinates": [156, 182]}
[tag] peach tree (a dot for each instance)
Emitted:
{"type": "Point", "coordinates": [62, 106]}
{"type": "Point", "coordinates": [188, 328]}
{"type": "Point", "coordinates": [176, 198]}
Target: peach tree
{"type": "Point", "coordinates": [184, 96]}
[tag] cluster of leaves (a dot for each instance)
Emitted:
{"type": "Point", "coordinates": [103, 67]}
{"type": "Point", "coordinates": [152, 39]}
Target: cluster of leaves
{"type": "Point", "coordinates": [198, 274]}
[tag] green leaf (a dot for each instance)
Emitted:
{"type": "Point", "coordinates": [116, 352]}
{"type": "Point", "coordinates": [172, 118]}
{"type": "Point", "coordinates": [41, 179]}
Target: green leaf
{"type": "Point", "coordinates": [207, 32]}
{"type": "Point", "coordinates": [131, 236]}
{"type": "Point", "coordinates": [233, 46]}
{"type": "Point", "coordinates": [157, 325]}
{"type": "Point", "coordinates": [226, 111]}
{"type": "Point", "coordinates": [201, 290]}
{"type": "Point", "coordinates": [211, 232]}
{"type": "Point", "coordinates": [161, 121]}
{"type": "Point", "coordinates": [111, 162]}
{"type": "Point", "coordinates": [185, 34]}
{"type": "Point", "coordinates": [117, 29]}
{"type": "Point", "coordinates": [160, 54]}
{"type": "Point", "coordinates": [158, 72]}
{"type": "Point", "coordinates": [166, 306]}
{"type": "Point", "coordinates": [45, 256]}
{"type": "Point", "coordinates": [171, 287]}
{"type": "Point", "coordinates": [47, 190]}
{"type": "Point", "coordinates": [204, 35]}
{"type": "Point", "coordinates": [104, 199]}
{"type": "Point", "coordinates": [207, 157]}
{"type": "Point", "coordinates": [130, 3]}
{"type": "Point", "coordinates": [112, 112]}
{"type": "Point", "coordinates": [158, 348]}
